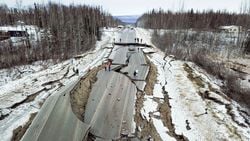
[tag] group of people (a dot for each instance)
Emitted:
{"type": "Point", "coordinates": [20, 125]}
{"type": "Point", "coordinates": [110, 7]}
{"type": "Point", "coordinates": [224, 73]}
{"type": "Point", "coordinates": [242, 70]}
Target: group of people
{"type": "Point", "coordinates": [137, 40]}
{"type": "Point", "coordinates": [107, 65]}
{"type": "Point", "coordinates": [114, 40]}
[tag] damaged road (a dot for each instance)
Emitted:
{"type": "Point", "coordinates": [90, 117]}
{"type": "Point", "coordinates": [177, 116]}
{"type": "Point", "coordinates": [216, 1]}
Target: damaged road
{"type": "Point", "coordinates": [167, 100]}
{"type": "Point", "coordinates": [111, 105]}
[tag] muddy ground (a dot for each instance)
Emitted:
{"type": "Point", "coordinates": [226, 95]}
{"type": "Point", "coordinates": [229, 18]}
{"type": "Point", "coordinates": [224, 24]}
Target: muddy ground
{"type": "Point", "coordinates": [145, 129]}
{"type": "Point", "coordinates": [20, 131]}
{"type": "Point", "coordinates": [151, 78]}
{"type": "Point", "coordinates": [80, 94]}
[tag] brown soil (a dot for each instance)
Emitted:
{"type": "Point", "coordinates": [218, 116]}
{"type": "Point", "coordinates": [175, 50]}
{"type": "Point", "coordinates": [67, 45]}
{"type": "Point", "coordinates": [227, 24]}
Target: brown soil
{"type": "Point", "coordinates": [80, 94]}
{"type": "Point", "coordinates": [195, 79]}
{"type": "Point", "coordinates": [151, 78]}
{"type": "Point", "coordinates": [29, 98]}
{"type": "Point", "coordinates": [20, 131]}
{"type": "Point", "coordinates": [165, 110]}
{"type": "Point", "coordinates": [146, 127]}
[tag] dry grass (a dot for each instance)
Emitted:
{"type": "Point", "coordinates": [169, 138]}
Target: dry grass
{"type": "Point", "coordinates": [195, 79]}
{"type": "Point", "coordinates": [203, 51]}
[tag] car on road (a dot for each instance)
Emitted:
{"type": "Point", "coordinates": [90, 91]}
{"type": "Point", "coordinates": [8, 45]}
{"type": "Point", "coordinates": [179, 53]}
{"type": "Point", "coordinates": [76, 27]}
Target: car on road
{"type": "Point", "coordinates": [120, 26]}
{"type": "Point", "coordinates": [131, 49]}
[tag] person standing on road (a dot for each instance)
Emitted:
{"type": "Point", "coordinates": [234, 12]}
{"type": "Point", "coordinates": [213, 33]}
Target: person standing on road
{"type": "Point", "coordinates": [135, 73]}
{"type": "Point", "coordinates": [105, 66]}
{"type": "Point", "coordinates": [113, 42]}
{"type": "Point", "coordinates": [109, 65]}
{"type": "Point", "coordinates": [128, 57]}
{"type": "Point", "coordinates": [120, 40]}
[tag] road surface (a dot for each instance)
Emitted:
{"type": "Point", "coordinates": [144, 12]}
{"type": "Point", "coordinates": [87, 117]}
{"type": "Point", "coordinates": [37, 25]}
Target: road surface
{"type": "Point", "coordinates": [56, 120]}
{"type": "Point", "coordinates": [111, 104]}
{"type": "Point", "coordinates": [109, 113]}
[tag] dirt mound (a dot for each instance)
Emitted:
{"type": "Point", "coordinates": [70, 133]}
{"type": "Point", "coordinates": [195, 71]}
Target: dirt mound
{"type": "Point", "coordinates": [151, 78]}
{"type": "Point", "coordinates": [80, 94]}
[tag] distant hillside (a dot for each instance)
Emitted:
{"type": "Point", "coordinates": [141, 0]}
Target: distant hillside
{"type": "Point", "coordinates": [128, 19]}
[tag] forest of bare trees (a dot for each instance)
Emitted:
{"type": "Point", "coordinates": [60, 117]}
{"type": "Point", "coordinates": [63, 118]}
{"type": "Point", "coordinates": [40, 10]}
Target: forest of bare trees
{"type": "Point", "coordinates": [205, 20]}
{"type": "Point", "coordinates": [66, 31]}
{"type": "Point", "coordinates": [195, 37]}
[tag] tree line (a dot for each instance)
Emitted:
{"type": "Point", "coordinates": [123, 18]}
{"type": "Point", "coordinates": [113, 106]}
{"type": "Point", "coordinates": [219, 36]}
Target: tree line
{"type": "Point", "coordinates": [65, 30]}
{"type": "Point", "coordinates": [159, 19]}
{"type": "Point", "coordinates": [203, 45]}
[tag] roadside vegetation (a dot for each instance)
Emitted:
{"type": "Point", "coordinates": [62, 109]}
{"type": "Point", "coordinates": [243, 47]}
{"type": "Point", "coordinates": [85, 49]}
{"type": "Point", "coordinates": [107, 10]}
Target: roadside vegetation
{"type": "Point", "coordinates": [195, 36]}
{"type": "Point", "coordinates": [65, 31]}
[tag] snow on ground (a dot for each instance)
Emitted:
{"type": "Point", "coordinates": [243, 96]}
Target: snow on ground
{"type": "Point", "coordinates": [144, 34]}
{"type": "Point", "coordinates": [7, 75]}
{"type": "Point", "coordinates": [199, 111]}
{"type": "Point", "coordinates": [150, 112]}
{"type": "Point", "coordinates": [23, 94]}
{"type": "Point", "coordinates": [207, 119]}
{"type": "Point", "coordinates": [150, 106]}
{"type": "Point", "coordinates": [162, 130]}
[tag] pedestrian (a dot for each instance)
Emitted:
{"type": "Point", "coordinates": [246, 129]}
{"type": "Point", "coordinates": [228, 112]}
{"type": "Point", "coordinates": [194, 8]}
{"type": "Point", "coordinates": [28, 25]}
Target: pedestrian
{"type": "Point", "coordinates": [120, 40]}
{"type": "Point", "coordinates": [77, 71]}
{"type": "Point", "coordinates": [128, 57]}
{"type": "Point", "coordinates": [135, 73]}
{"type": "Point", "coordinates": [127, 60]}
{"type": "Point", "coordinates": [138, 40]}
{"type": "Point", "coordinates": [109, 65]}
{"type": "Point", "coordinates": [105, 66]}
{"type": "Point", "coordinates": [135, 40]}
{"type": "Point", "coordinates": [141, 40]}
{"type": "Point", "coordinates": [138, 49]}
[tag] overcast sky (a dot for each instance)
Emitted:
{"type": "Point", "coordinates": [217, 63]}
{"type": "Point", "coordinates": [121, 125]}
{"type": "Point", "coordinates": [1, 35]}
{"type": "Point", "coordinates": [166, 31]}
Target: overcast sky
{"type": "Point", "coordinates": [138, 7]}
